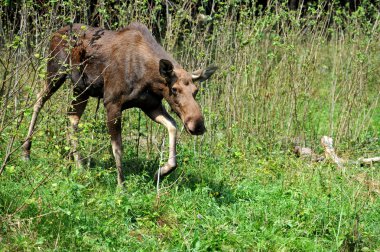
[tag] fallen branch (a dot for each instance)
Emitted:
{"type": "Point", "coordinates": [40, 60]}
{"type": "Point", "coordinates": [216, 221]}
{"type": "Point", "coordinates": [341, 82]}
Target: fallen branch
{"type": "Point", "coordinates": [327, 143]}
{"type": "Point", "coordinates": [305, 152]}
{"type": "Point", "coordinates": [368, 161]}
{"type": "Point", "coordinates": [330, 154]}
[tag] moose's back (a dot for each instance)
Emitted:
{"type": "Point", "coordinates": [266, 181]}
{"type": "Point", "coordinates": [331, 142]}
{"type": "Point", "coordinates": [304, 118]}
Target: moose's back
{"type": "Point", "coordinates": [91, 54]}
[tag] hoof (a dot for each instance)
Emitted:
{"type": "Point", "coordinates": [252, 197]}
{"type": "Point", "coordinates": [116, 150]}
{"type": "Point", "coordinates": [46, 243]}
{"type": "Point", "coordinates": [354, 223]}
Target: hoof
{"type": "Point", "coordinates": [165, 171]}
{"type": "Point", "coordinates": [26, 158]}
{"type": "Point", "coordinates": [79, 163]}
{"type": "Point", "coordinates": [156, 178]}
{"type": "Point", "coordinates": [121, 188]}
{"type": "Point", "coordinates": [26, 150]}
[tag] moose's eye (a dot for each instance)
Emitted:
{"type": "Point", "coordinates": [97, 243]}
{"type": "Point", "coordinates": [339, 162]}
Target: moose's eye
{"type": "Point", "coordinates": [195, 93]}
{"type": "Point", "coordinates": [174, 90]}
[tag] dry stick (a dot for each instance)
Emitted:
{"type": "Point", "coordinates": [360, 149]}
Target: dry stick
{"type": "Point", "coordinates": [327, 143]}
{"type": "Point", "coordinates": [369, 161]}
{"type": "Point", "coordinates": [19, 66]}
{"type": "Point", "coordinates": [373, 186]}
{"type": "Point", "coordinates": [369, 114]}
{"type": "Point", "coordinates": [8, 154]}
{"type": "Point", "coordinates": [39, 216]}
{"type": "Point", "coordinates": [138, 134]}
{"type": "Point", "coordinates": [23, 64]}
{"type": "Point", "coordinates": [175, 181]}
{"type": "Point", "coordinates": [9, 150]}
{"type": "Point", "coordinates": [58, 236]}
{"type": "Point", "coordinates": [4, 75]}
{"type": "Point", "coordinates": [159, 172]}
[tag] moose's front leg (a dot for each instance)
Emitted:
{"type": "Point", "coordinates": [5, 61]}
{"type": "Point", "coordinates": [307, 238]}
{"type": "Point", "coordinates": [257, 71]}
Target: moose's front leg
{"type": "Point", "coordinates": [75, 113]}
{"type": "Point", "coordinates": [114, 128]}
{"type": "Point", "coordinates": [160, 115]}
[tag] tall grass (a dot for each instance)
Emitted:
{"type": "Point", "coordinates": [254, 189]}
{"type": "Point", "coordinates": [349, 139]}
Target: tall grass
{"type": "Point", "coordinates": [283, 74]}
{"type": "Point", "coordinates": [285, 77]}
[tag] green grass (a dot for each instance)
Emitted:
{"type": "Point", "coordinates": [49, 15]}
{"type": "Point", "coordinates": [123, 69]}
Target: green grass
{"type": "Point", "coordinates": [283, 79]}
{"type": "Point", "coordinates": [220, 198]}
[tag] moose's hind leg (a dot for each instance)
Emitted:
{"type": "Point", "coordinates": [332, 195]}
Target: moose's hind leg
{"type": "Point", "coordinates": [50, 88]}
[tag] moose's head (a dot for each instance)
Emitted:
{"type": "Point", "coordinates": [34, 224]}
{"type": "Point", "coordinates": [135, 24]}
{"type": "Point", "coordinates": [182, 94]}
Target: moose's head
{"type": "Point", "coordinates": [181, 94]}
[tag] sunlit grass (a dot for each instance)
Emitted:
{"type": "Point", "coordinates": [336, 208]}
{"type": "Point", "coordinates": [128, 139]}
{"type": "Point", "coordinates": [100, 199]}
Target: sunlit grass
{"type": "Point", "coordinates": [283, 80]}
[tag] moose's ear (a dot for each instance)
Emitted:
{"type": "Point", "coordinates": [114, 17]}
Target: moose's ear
{"type": "Point", "coordinates": [166, 69]}
{"type": "Point", "coordinates": [203, 74]}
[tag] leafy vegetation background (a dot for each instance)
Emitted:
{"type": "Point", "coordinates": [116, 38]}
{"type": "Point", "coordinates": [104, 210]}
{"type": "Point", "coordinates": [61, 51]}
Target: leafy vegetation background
{"type": "Point", "coordinates": [289, 73]}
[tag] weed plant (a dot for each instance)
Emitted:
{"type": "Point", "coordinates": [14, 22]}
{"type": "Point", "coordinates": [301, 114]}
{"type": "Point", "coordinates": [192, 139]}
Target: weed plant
{"type": "Point", "coordinates": [285, 77]}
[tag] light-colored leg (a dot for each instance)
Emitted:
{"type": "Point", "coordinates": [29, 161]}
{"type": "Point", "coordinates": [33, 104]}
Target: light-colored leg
{"type": "Point", "coordinates": [75, 113]}
{"type": "Point", "coordinates": [114, 128]}
{"type": "Point", "coordinates": [28, 141]}
{"type": "Point", "coordinates": [42, 97]}
{"type": "Point", "coordinates": [160, 115]}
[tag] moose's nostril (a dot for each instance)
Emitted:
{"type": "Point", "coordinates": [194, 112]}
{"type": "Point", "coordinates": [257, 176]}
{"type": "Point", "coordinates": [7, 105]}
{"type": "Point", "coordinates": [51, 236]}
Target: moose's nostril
{"type": "Point", "coordinates": [195, 127]}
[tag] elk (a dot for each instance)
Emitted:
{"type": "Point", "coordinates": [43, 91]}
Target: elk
{"type": "Point", "coordinates": [126, 68]}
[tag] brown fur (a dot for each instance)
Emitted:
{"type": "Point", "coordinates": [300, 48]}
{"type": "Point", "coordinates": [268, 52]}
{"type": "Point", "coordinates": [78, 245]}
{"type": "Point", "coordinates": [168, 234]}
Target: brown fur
{"type": "Point", "coordinates": [126, 68]}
